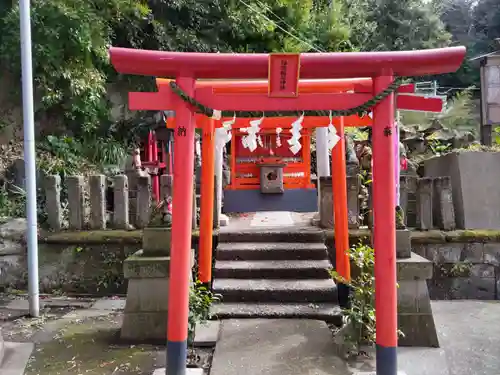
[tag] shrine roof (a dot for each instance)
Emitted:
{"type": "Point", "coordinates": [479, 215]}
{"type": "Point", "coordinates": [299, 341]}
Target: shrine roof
{"type": "Point", "coordinates": [313, 65]}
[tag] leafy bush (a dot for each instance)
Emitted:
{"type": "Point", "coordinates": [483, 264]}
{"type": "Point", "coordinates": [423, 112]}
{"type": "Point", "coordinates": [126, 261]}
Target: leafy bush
{"type": "Point", "coordinates": [361, 311]}
{"type": "Point", "coordinates": [200, 301]}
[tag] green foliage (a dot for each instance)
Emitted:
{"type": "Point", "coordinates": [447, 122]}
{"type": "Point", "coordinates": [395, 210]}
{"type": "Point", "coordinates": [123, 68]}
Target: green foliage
{"type": "Point", "coordinates": [69, 156]}
{"type": "Point", "coordinates": [70, 55]}
{"type": "Point", "coordinates": [459, 114]}
{"type": "Point", "coordinates": [403, 25]}
{"type": "Point", "coordinates": [200, 301]}
{"type": "Point", "coordinates": [12, 201]}
{"type": "Point", "coordinates": [361, 312]}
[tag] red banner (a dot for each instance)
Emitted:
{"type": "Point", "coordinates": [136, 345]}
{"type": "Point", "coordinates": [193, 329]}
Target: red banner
{"type": "Point", "coordinates": [284, 72]}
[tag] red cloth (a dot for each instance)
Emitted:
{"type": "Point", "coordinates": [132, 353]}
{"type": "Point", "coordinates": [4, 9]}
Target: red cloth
{"type": "Point", "coordinates": [404, 164]}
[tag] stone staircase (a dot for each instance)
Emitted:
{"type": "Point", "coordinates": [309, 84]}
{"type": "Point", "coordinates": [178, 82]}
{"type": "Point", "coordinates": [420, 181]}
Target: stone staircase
{"type": "Point", "coordinates": [274, 274]}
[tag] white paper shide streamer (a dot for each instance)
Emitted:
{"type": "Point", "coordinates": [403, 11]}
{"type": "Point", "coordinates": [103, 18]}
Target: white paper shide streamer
{"type": "Point", "coordinates": [227, 126]}
{"type": "Point", "coordinates": [252, 138]}
{"type": "Point", "coordinates": [294, 142]}
{"type": "Point", "coordinates": [278, 139]}
{"type": "Point", "coordinates": [332, 136]}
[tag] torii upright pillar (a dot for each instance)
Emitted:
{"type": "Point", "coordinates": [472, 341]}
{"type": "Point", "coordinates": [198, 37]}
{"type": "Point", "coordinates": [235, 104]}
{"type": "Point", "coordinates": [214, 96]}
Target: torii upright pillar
{"type": "Point", "coordinates": [384, 232]}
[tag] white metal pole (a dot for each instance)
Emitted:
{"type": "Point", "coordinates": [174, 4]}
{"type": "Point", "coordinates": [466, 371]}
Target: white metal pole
{"type": "Point", "coordinates": [29, 157]}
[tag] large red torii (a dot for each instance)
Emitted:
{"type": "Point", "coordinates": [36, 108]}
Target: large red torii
{"type": "Point", "coordinates": [381, 66]}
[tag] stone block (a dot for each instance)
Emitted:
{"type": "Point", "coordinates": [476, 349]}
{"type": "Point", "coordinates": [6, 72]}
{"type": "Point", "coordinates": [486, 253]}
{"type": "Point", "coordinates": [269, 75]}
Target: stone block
{"type": "Point", "coordinates": [463, 288]}
{"type": "Point", "coordinates": [144, 326]}
{"type": "Point", "coordinates": [166, 186]}
{"type": "Point", "coordinates": [445, 253]}
{"type": "Point", "coordinates": [473, 252]}
{"type": "Point", "coordinates": [419, 330]}
{"type": "Point", "coordinates": [52, 185]}
{"type": "Point", "coordinates": [403, 243]}
{"type": "Point", "coordinates": [353, 187]}
{"type": "Point", "coordinates": [156, 241]}
{"type": "Point", "coordinates": [139, 267]}
{"type": "Point", "coordinates": [76, 202]}
{"type": "Point", "coordinates": [415, 267]}
{"type": "Point", "coordinates": [491, 253]}
{"type": "Point", "coordinates": [475, 189]}
{"type": "Point", "coordinates": [415, 317]}
{"type": "Point", "coordinates": [326, 203]}
{"type": "Point", "coordinates": [143, 206]}
{"type": "Point", "coordinates": [443, 211]}
{"type": "Point", "coordinates": [271, 179]}
{"type": "Point", "coordinates": [97, 192]}
{"type": "Point", "coordinates": [121, 202]}
{"type": "Point", "coordinates": [420, 250]}
{"type": "Point", "coordinates": [207, 334]}
{"type": "Point", "coordinates": [425, 204]}
{"type": "Point", "coordinates": [147, 295]}
{"type": "Point", "coordinates": [146, 307]}
{"type": "Point", "coordinates": [413, 297]}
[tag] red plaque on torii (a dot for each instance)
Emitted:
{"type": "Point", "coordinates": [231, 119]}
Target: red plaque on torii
{"type": "Point", "coordinates": [284, 72]}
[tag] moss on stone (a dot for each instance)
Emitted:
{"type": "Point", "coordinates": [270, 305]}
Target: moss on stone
{"type": "Point", "coordinates": [425, 237]}
{"type": "Point", "coordinates": [431, 236]}
{"type": "Point", "coordinates": [98, 237]}
{"type": "Point", "coordinates": [90, 347]}
{"type": "Point", "coordinates": [476, 235]}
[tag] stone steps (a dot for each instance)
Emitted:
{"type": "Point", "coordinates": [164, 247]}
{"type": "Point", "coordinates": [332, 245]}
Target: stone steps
{"type": "Point", "coordinates": [328, 312]}
{"type": "Point", "coordinates": [274, 235]}
{"type": "Point", "coordinates": [270, 290]}
{"type": "Point", "coordinates": [279, 273]}
{"type": "Point", "coordinates": [248, 251]}
{"type": "Point", "coordinates": [272, 269]}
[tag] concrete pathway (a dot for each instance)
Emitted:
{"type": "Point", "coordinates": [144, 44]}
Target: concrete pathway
{"type": "Point", "coordinates": [469, 335]}
{"type": "Point", "coordinates": [269, 220]}
{"type": "Point", "coordinates": [276, 347]}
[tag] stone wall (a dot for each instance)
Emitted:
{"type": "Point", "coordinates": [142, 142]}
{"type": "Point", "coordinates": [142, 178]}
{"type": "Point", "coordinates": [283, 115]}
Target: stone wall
{"type": "Point", "coordinates": [466, 264]}
{"type": "Point", "coordinates": [427, 202]}
{"type": "Point", "coordinates": [71, 262]}
{"type": "Point", "coordinates": [100, 202]}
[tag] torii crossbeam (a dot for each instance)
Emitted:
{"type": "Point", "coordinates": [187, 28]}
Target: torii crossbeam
{"type": "Point", "coordinates": [186, 68]}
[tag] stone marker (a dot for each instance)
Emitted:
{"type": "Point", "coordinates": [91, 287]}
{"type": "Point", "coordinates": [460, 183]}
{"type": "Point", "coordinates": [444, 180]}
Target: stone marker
{"type": "Point", "coordinates": [52, 186]}
{"type": "Point", "coordinates": [143, 205]}
{"type": "Point", "coordinates": [425, 189]}
{"type": "Point", "coordinates": [97, 192]}
{"type": "Point", "coordinates": [121, 200]}
{"type": "Point", "coordinates": [353, 187]}
{"type": "Point", "coordinates": [76, 202]}
{"type": "Point", "coordinates": [326, 219]}
{"type": "Point", "coordinates": [444, 212]}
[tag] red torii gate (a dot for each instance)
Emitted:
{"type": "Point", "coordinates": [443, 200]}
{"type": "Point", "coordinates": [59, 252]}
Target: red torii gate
{"type": "Point", "coordinates": [382, 66]}
{"type": "Point", "coordinates": [406, 100]}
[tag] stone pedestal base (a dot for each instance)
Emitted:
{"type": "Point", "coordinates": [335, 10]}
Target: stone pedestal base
{"type": "Point", "coordinates": [415, 317]}
{"type": "Point", "coordinates": [403, 244]}
{"type": "Point", "coordinates": [146, 309]}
